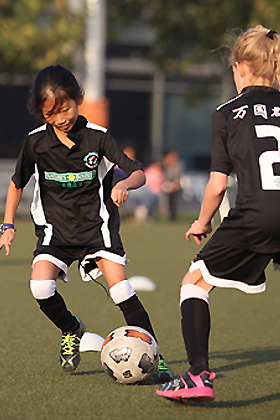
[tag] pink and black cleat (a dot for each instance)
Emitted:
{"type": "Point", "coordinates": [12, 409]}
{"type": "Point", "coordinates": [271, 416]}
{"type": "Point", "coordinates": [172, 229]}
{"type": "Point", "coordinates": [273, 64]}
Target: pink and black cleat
{"type": "Point", "coordinates": [188, 387]}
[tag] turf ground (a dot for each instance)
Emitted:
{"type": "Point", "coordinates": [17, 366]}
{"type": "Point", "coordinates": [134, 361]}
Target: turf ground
{"type": "Point", "coordinates": [244, 345]}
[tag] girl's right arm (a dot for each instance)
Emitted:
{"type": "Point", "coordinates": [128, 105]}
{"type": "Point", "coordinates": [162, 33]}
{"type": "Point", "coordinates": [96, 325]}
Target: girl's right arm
{"type": "Point", "coordinates": [119, 192]}
{"type": "Point", "coordinates": [12, 202]}
{"type": "Point", "coordinates": [213, 196]}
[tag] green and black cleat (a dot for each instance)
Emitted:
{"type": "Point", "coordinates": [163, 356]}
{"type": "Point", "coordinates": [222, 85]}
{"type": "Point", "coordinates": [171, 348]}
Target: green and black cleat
{"type": "Point", "coordinates": [163, 373]}
{"type": "Point", "coordinates": [70, 348]}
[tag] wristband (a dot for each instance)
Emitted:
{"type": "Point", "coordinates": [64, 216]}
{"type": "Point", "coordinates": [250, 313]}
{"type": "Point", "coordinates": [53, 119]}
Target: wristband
{"type": "Point", "coordinates": [5, 226]}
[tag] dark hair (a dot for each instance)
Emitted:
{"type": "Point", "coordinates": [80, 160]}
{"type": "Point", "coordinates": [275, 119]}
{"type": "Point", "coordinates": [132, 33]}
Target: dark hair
{"type": "Point", "coordinates": [58, 80]}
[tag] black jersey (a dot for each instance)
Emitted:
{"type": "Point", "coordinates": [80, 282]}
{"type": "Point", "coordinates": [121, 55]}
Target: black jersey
{"type": "Point", "coordinates": [246, 141]}
{"type": "Point", "coordinates": [72, 203]}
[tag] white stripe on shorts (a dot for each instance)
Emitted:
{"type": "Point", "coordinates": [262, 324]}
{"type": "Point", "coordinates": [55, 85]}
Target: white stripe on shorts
{"type": "Point", "coordinates": [219, 282]}
{"type": "Point", "coordinates": [100, 254]}
{"type": "Point", "coordinates": [60, 264]}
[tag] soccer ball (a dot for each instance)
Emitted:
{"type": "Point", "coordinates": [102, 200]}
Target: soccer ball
{"type": "Point", "coordinates": [129, 355]}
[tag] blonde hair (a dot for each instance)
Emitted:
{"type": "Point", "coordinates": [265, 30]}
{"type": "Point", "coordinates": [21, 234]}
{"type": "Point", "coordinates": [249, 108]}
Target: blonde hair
{"type": "Point", "coordinates": [260, 52]}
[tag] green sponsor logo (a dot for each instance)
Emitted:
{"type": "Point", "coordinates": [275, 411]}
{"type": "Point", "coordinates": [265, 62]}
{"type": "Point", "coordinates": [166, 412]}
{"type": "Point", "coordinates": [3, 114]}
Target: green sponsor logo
{"type": "Point", "coordinates": [70, 179]}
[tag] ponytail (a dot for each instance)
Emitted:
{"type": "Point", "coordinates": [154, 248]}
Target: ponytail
{"type": "Point", "coordinates": [259, 48]}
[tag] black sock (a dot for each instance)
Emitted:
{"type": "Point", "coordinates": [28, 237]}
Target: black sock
{"type": "Point", "coordinates": [135, 314]}
{"type": "Point", "coordinates": [195, 329]}
{"type": "Point", "coordinates": [55, 309]}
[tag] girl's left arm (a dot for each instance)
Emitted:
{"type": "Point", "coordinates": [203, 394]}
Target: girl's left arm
{"type": "Point", "coordinates": [119, 192]}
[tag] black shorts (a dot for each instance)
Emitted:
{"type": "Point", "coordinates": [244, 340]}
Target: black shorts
{"type": "Point", "coordinates": [64, 256]}
{"type": "Point", "coordinates": [223, 266]}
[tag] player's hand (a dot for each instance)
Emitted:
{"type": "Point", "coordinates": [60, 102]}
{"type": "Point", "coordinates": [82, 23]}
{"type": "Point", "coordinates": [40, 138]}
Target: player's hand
{"type": "Point", "coordinates": [6, 240]}
{"type": "Point", "coordinates": [198, 231]}
{"type": "Point", "coordinates": [119, 194]}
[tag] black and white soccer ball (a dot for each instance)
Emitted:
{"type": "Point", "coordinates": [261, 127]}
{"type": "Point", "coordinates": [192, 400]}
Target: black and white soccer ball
{"type": "Point", "coordinates": [129, 355]}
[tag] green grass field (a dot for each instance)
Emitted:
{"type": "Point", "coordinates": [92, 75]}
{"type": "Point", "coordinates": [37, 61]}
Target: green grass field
{"type": "Point", "coordinates": [244, 345]}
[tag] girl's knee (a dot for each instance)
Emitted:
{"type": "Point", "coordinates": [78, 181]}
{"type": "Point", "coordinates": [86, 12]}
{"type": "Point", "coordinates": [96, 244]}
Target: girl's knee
{"type": "Point", "coordinates": [195, 278]}
{"type": "Point", "coordinates": [42, 289]}
{"type": "Point", "coordinates": [192, 277]}
{"type": "Point", "coordinates": [44, 270]}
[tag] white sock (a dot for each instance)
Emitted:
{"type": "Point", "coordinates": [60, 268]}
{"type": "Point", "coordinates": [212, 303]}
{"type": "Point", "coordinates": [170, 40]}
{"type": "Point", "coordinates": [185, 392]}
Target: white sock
{"type": "Point", "coordinates": [121, 291]}
{"type": "Point", "coordinates": [189, 291]}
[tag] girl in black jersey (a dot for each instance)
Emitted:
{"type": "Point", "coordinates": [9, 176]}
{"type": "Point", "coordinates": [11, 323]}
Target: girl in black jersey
{"type": "Point", "coordinates": [75, 207]}
{"type": "Point", "coordinates": [246, 142]}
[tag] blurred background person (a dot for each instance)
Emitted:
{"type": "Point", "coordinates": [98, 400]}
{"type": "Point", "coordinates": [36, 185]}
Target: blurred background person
{"type": "Point", "coordinates": [150, 196]}
{"type": "Point", "coordinates": [173, 168]}
{"type": "Point", "coordinates": [155, 177]}
{"type": "Point", "coordinates": [145, 203]}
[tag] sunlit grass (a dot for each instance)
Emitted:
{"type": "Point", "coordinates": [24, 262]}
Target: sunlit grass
{"type": "Point", "coordinates": [244, 345]}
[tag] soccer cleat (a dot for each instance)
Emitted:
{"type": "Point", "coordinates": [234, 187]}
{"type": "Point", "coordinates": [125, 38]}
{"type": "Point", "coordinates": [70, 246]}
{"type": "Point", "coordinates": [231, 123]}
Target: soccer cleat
{"type": "Point", "coordinates": [163, 373]}
{"type": "Point", "coordinates": [188, 387]}
{"type": "Point", "coordinates": [70, 345]}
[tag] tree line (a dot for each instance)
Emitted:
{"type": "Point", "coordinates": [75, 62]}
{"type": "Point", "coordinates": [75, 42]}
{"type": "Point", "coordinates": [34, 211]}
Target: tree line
{"type": "Point", "coordinates": [35, 33]}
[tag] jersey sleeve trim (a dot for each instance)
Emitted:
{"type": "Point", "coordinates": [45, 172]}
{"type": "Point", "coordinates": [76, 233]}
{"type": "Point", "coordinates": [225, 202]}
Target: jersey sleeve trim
{"type": "Point", "coordinates": [229, 102]}
{"type": "Point", "coordinates": [38, 129]}
{"type": "Point", "coordinates": [96, 127]}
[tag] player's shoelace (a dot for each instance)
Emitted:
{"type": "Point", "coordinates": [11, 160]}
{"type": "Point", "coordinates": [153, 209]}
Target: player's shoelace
{"type": "Point", "coordinates": [70, 343]}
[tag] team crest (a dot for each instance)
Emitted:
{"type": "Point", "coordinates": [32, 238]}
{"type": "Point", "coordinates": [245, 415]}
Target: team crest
{"type": "Point", "coordinates": [91, 160]}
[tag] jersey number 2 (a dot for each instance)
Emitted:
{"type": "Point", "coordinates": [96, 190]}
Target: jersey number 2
{"type": "Point", "coordinates": [268, 158]}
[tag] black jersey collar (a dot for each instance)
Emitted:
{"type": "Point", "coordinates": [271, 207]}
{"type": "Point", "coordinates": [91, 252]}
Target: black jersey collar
{"type": "Point", "coordinates": [73, 134]}
{"type": "Point", "coordinates": [264, 89]}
